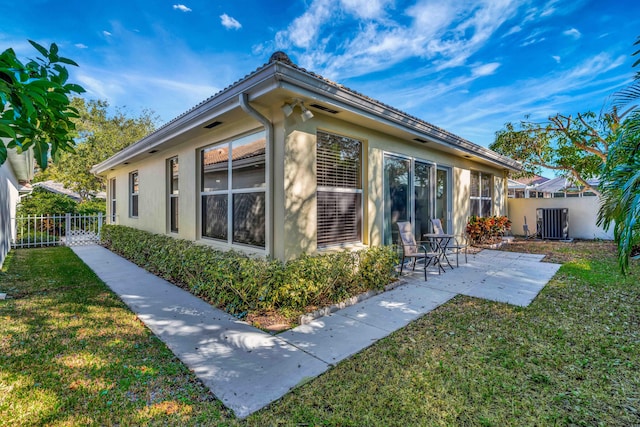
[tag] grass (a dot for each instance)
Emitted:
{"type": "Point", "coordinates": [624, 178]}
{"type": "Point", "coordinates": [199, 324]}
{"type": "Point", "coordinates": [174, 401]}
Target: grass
{"type": "Point", "coordinates": [71, 353]}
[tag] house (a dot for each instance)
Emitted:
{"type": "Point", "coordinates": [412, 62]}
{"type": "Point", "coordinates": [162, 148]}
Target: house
{"type": "Point", "coordinates": [57, 188]}
{"type": "Point", "coordinates": [544, 188]}
{"type": "Point", "coordinates": [564, 187]}
{"type": "Point", "coordinates": [525, 187]}
{"type": "Point", "coordinates": [285, 161]}
{"type": "Point", "coordinates": [14, 172]}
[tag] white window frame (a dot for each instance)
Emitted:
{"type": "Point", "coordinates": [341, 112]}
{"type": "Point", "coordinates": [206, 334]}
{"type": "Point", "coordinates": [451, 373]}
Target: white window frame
{"type": "Point", "coordinates": [343, 190]}
{"type": "Point", "coordinates": [480, 197]}
{"type": "Point", "coordinates": [172, 194]}
{"type": "Point", "coordinates": [134, 194]}
{"type": "Point", "coordinates": [112, 200]}
{"type": "Point", "coordinates": [230, 192]}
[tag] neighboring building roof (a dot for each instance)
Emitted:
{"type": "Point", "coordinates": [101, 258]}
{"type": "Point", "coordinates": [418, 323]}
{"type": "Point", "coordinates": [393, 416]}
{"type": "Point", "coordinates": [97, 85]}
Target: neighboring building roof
{"type": "Point", "coordinates": [280, 79]}
{"type": "Point", "coordinates": [513, 184]}
{"type": "Point", "coordinates": [532, 180]}
{"type": "Point", "coordinates": [58, 188]}
{"type": "Point", "coordinates": [560, 184]}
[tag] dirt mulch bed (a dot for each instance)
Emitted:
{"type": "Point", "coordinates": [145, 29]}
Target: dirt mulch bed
{"type": "Point", "coordinates": [559, 251]}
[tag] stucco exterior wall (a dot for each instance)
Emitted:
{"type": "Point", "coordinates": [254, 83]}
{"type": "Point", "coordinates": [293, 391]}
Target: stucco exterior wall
{"type": "Point", "coordinates": [299, 182]}
{"type": "Point", "coordinates": [583, 212]}
{"type": "Point", "coordinates": [153, 184]}
{"type": "Point", "coordinates": [499, 195]}
{"type": "Point", "coordinates": [9, 198]}
{"type": "Point", "coordinates": [293, 195]}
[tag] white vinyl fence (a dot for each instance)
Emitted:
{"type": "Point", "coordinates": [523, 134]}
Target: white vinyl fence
{"type": "Point", "coordinates": [53, 230]}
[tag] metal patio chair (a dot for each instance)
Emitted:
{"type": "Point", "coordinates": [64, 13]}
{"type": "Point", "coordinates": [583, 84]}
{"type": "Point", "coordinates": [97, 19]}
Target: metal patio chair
{"type": "Point", "coordinates": [415, 251]}
{"type": "Point", "coordinates": [456, 245]}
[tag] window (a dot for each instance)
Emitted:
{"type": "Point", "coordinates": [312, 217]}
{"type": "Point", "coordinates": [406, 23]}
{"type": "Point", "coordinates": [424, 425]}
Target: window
{"type": "Point", "coordinates": [339, 193]}
{"type": "Point", "coordinates": [133, 194]}
{"type": "Point", "coordinates": [112, 199]}
{"type": "Point", "coordinates": [480, 194]}
{"type": "Point", "coordinates": [232, 191]}
{"type": "Point", "coordinates": [172, 173]}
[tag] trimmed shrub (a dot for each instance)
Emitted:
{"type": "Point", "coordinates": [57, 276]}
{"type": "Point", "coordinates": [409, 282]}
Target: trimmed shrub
{"type": "Point", "coordinates": [239, 283]}
{"type": "Point", "coordinates": [487, 230]}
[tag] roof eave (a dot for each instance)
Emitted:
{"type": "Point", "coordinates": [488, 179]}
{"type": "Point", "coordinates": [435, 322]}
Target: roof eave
{"type": "Point", "coordinates": [278, 74]}
{"type": "Point", "coordinates": [260, 81]}
{"type": "Point", "coordinates": [293, 79]}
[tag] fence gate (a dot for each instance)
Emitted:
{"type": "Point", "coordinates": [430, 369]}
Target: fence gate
{"type": "Point", "coordinates": [53, 230]}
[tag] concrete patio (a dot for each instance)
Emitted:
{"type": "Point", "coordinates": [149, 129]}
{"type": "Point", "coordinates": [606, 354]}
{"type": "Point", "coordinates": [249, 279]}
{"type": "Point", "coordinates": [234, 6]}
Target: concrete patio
{"type": "Point", "coordinates": [247, 368]}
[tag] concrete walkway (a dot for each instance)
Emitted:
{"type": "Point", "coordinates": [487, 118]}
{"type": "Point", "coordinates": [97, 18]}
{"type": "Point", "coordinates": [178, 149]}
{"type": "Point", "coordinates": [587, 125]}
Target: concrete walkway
{"type": "Point", "coordinates": [247, 368]}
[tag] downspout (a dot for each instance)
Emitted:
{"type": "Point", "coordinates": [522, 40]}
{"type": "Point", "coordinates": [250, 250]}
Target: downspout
{"type": "Point", "coordinates": [243, 99]}
{"type": "Point", "coordinates": [505, 191]}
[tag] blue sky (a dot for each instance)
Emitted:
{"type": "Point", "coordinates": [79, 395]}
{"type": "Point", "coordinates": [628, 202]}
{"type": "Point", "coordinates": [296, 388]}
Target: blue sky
{"type": "Point", "coordinates": [466, 66]}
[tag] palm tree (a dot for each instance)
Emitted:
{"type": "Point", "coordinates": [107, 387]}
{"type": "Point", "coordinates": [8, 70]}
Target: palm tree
{"type": "Point", "coordinates": [620, 200]}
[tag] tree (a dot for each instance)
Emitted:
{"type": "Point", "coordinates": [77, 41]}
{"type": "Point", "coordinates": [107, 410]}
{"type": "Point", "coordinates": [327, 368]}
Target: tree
{"type": "Point", "coordinates": [35, 110]}
{"type": "Point", "coordinates": [43, 202]}
{"type": "Point", "coordinates": [575, 147]}
{"type": "Point", "coordinates": [620, 206]}
{"type": "Point", "coordinates": [99, 136]}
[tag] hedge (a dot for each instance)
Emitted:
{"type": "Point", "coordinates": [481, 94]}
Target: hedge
{"type": "Point", "coordinates": [239, 283]}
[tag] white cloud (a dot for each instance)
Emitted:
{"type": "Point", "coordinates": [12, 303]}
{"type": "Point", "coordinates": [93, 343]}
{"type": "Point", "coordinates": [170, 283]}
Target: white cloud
{"type": "Point", "coordinates": [572, 32]}
{"type": "Point", "coordinates": [485, 69]}
{"type": "Point", "coordinates": [81, 45]}
{"type": "Point", "coordinates": [556, 58]}
{"type": "Point", "coordinates": [99, 88]}
{"type": "Point", "coordinates": [181, 8]}
{"type": "Point", "coordinates": [303, 31]}
{"type": "Point", "coordinates": [229, 23]}
{"type": "Point", "coordinates": [106, 33]}
{"type": "Point", "coordinates": [446, 33]}
{"type": "Point", "coordinates": [550, 8]}
{"type": "Point", "coordinates": [486, 111]}
{"type": "Point", "coordinates": [366, 9]}
{"type": "Point", "coordinates": [513, 30]}
{"type": "Point", "coordinates": [531, 41]}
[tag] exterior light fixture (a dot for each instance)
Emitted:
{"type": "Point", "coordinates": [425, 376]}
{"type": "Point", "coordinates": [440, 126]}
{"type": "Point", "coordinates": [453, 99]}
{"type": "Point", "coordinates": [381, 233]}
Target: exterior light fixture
{"type": "Point", "coordinates": [306, 114]}
{"type": "Point", "coordinates": [287, 109]}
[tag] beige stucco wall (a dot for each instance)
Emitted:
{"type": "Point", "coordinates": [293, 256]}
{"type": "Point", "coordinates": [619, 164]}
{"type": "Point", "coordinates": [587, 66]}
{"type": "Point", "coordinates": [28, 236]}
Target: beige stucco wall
{"type": "Point", "coordinates": [153, 184]}
{"type": "Point", "coordinates": [293, 169]}
{"type": "Point", "coordinates": [583, 213]}
{"type": "Point", "coordinates": [299, 181]}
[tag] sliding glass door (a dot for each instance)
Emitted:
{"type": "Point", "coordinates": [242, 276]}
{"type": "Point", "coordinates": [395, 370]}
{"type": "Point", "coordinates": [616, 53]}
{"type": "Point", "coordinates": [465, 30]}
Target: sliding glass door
{"type": "Point", "coordinates": [443, 198]}
{"type": "Point", "coordinates": [397, 198]}
{"type": "Point", "coordinates": [415, 191]}
{"type": "Point", "coordinates": [422, 198]}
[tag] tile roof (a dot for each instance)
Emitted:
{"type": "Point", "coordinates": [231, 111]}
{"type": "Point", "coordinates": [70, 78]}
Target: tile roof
{"type": "Point", "coordinates": [283, 58]}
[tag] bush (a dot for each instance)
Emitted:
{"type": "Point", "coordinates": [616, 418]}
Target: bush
{"type": "Point", "coordinates": [487, 230]}
{"type": "Point", "coordinates": [239, 284]}
{"type": "Point", "coordinates": [43, 202]}
{"type": "Point", "coordinates": [91, 207]}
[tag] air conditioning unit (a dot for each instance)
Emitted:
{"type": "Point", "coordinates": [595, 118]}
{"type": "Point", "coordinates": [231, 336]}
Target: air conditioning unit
{"type": "Point", "coordinates": [553, 223]}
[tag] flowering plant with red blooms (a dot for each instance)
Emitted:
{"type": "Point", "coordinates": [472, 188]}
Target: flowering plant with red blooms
{"type": "Point", "coordinates": [487, 230]}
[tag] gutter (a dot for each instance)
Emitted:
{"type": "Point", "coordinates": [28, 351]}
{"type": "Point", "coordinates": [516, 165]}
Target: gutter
{"type": "Point", "coordinates": [243, 99]}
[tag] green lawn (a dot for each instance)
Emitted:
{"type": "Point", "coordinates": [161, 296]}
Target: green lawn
{"type": "Point", "coordinates": [71, 353]}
